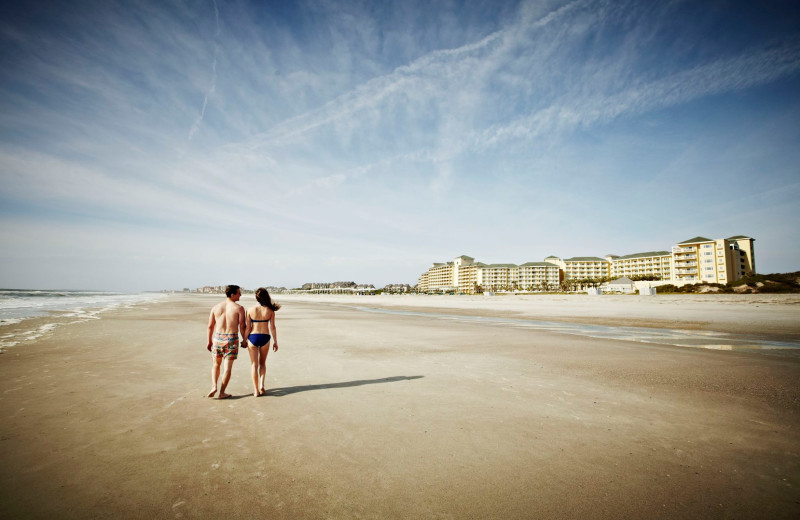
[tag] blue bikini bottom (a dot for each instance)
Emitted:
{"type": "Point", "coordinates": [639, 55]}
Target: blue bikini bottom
{"type": "Point", "coordinates": [259, 340]}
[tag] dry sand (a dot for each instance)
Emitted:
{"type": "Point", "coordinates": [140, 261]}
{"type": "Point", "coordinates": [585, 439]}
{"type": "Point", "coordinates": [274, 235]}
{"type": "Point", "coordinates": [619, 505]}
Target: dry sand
{"type": "Point", "coordinates": [400, 416]}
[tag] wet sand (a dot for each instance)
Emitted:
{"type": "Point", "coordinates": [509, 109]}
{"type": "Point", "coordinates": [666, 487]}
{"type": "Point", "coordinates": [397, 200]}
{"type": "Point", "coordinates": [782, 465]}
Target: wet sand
{"type": "Point", "coordinates": [374, 415]}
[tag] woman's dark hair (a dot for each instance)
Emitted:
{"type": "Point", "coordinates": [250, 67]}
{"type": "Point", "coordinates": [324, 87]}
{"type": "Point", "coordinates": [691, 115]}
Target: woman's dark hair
{"type": "Point", "coordinates": [262, 295]}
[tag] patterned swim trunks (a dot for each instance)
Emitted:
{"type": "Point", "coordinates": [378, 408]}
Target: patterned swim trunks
{"type": "Point", "coordinates": [226, 345]}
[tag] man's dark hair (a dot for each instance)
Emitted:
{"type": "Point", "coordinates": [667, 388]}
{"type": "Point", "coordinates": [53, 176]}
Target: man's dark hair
{"type": "Point", "coordinates": [230, 290]}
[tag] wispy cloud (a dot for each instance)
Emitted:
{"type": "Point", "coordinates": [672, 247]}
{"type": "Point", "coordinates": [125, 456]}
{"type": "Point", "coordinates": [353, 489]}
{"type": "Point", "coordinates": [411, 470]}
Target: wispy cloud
{"type": "Point", "coordinates": [335, 126]}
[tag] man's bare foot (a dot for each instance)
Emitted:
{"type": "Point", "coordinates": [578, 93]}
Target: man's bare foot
{"type": "Point", "coordinates": [212, 392]}
{"type": "Point", "coordinates": [256, 393]}
{"type": "Point", "coordinates": [223, 395]}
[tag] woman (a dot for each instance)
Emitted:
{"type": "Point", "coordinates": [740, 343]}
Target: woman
{"type": "Point", "coordinates": [260, 327]}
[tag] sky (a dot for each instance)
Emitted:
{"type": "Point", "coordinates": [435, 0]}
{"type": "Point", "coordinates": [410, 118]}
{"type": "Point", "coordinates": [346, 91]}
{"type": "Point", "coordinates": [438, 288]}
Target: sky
{"type": "Point", "coordinates": [149, 145]}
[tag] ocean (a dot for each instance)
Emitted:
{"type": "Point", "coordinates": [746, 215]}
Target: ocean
{"type": "Point", "coordinates": [57, 308]}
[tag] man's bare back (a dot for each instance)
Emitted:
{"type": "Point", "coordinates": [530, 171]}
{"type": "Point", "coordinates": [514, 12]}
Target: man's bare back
{"type": "Point", "coordinates": [225, 323]}
{"type": "Point", "coordinates": [228, 316]}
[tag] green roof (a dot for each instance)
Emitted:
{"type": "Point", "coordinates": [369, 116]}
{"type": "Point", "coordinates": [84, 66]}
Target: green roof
{"type": "Point", "coordinates": [740, 237]}
{"type": "Point", "coordinates": [695, 240]}
{"type": "Point", "coordinates": [645, 255]}
{"type": "Point", "coordinates": [538, 264]}
{"type": "Point", "coordinates": [501, 265]}
{"type": "Point", "coordinates": [586, 259]}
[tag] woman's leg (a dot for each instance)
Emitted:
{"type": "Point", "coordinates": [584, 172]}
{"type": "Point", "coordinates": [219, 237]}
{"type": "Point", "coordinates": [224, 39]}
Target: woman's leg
{"type": "Point", "coordinates": [262, 367]}
{"type": "Point", "coordinates": [253, 351]}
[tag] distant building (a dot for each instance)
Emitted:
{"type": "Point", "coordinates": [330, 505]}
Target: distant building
{"type": "Point", "coordinates": [655, 264]}
{"type": "Point", "coordinates": [700, 259]}
{"type": "Point", "coordinates": [583, 267]}
{"type": "Point", "coordinates": [397, 288]}
{"type": "Point", "coordinates": [620, 285]}
{"type": "Point", "coordinates": [464, 275]}
{"type": "Point", "coordinates": [539, 275]}
{"type": "Point", "coordinates": [722, 260]}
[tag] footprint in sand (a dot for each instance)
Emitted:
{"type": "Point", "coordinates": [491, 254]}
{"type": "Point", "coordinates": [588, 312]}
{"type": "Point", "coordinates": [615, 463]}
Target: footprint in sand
{"type": "Point", "coordinates": [177, 507]}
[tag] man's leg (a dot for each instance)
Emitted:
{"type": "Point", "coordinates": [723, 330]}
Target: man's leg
{"type": "Point", "coordinates": [227, 366]}
{"type": "Point", "coordinates": [214, 374]}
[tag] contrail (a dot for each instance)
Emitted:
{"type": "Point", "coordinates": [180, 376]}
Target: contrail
{"type": "Point", "coordinates": [213, 86]}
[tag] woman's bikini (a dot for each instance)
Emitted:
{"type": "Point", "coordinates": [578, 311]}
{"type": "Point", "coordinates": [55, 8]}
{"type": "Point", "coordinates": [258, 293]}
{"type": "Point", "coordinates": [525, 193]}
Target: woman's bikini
{"type": "Point", "coordinates": [258, 340]}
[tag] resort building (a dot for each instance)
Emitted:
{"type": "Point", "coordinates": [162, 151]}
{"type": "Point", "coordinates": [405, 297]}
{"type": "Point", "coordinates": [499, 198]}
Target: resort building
{"type": "Point", "coordinates": [441, 278]}
{"type": "Point", "coordinates": [700, 259]}
{"type": "Point", "coordinates": [722, 260]}
{"type": "Point", "coordinates": [466, 276]}
{"type": "Point", "coordinates": [582, 267]}
{"type": "Point", "coordinates": [653, 264]}
{"type": "Point", "coordinates": [539, 275]}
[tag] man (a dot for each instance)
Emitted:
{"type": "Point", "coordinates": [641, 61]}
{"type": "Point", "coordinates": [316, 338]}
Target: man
{"type": "Point", "coordinates": [225, 324]}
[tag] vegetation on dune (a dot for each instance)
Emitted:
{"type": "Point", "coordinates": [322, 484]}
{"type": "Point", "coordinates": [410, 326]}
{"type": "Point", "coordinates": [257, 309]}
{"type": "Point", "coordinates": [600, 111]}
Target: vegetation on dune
{"type": "Point", "coordinates": [757, 283]}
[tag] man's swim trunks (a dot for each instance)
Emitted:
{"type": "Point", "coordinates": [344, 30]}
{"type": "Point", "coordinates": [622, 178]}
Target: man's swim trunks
{"type": "Point", "coordinates": [259, 340]}
{"type": "Point", "coordinates": [226, 345]}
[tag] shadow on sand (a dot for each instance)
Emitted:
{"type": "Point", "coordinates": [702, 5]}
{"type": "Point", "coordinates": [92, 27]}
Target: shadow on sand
{"type": "Point", "coordinates": [279, 392]}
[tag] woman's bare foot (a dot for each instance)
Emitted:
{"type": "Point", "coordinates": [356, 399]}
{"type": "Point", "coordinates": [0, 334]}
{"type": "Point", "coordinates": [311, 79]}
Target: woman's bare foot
{"type": "Point", "coordinates": [212, 392]}
{"type": "Point", "coordinates": [223, 395]}
{"type": "Point", "coordinates": [262, 392]}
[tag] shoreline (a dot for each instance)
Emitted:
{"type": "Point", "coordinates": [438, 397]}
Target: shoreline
{"type": "Point", "coordinates": [376, 415]}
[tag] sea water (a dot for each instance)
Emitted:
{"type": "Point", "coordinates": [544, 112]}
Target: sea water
{"type": "Point", "coordinates": [56, 307]}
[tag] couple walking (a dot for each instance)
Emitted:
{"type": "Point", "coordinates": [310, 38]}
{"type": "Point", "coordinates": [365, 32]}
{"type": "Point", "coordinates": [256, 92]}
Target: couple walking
{"type": "Point", "coordinates": [228, 319]}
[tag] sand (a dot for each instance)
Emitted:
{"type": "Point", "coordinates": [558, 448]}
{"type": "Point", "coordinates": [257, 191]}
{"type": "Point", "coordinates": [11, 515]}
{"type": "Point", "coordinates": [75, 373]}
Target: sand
{"type": "Point", "coordinates": [373, 415]}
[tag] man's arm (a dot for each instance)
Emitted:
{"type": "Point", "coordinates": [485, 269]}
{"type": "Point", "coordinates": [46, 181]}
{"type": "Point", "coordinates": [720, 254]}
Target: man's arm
{"type": "Point", "coordinates": [242, 321]}
{"type": "Point", "coordinates": [249, 326]}
{"type": "Point", "coordinates": [212, 322]}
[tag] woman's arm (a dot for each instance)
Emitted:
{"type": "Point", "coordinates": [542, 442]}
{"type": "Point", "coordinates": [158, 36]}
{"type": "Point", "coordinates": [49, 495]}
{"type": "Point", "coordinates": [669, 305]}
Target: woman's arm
{"type": "Point", "coordinates": [249, 326]}
{"type": "Point", "coordinates": [274, 332]}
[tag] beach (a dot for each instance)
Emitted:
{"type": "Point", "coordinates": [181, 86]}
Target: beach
{"type": "Point", "coordinates": [413, 407]}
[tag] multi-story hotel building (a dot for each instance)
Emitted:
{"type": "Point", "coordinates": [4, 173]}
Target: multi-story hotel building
{"type": "Point", "coordinates": [464, 275]}
{"type": "Point", "coordinates": [440, 278]}
{"type": "Point", "coordinates": [656, 264]}
{"type": "Point", "coordinates": [722, 260]}
{"type": "Point", "coordinates": [700, 259]}
{"type": "Point", "coordinates": [582, 267]}
{"type": "Point", "coordinates": [544, 275]}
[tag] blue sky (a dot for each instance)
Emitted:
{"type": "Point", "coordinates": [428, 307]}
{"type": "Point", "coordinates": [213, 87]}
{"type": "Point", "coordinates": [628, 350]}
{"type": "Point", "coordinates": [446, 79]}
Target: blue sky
{"type": "Point", "coordinates": [165, 144]}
